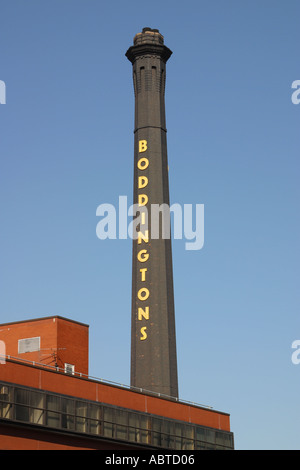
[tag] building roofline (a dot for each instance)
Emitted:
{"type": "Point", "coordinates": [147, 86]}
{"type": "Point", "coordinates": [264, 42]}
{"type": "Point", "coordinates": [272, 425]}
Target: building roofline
{"type": "Point", "coordinates": [100, 381]}
{"type": "Point", "coordinates": [44, 318]}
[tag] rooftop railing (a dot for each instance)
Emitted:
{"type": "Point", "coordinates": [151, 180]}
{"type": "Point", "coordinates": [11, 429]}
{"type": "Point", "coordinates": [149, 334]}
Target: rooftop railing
{"type": "Point", "coordinates": [3, 358]}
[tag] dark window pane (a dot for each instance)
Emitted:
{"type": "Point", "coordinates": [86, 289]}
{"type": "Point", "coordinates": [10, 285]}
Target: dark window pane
{"type": "Point", "coordinates": [94, 419]}
{"type": "Point", "coordinates": [21, 412]}
{"type": "Point", "coordinates": [6, 397]}
{"type": "Point", "coordinates": [156, 432]}
{"type": "Point", "coordinates": [108, 418]}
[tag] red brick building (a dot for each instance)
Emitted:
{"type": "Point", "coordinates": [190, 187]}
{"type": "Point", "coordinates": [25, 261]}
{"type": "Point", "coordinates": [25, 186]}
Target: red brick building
{"type": "Point", "coordinates": [53, 341]}
{"type": "Point", "coordinates": [48, 401]}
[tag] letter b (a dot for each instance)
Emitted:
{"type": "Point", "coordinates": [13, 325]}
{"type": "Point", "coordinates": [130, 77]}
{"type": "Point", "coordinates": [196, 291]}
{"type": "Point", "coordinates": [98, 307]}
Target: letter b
{"type": "Point", "coordinates": [142, 146]}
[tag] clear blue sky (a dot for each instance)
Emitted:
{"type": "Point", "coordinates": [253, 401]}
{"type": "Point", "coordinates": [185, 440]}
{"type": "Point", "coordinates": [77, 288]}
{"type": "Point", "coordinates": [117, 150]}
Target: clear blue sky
{"type": "Point", "coordinates": [66, 143]}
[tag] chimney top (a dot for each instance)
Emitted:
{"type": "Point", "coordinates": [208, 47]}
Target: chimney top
{"type": "Point", "coordinates": [148, 36]}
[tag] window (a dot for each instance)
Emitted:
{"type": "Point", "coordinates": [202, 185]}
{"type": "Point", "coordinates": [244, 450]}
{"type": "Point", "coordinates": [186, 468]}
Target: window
{"type": "Point", "coordinates": [94, 418]}
{"type": "Point", "coordinates": [223, 439]}
{"type": "Point", "coordinates": [84, 416]}
{"type": "Point", "coordinates": [188, 437]}
{"type": "Point", "coordinates": [156, 431]}
{"type": "Point", "coordinates": [108, 419]}
{"type": "Point", "coordinates": [29, 406]}
{"type": "Point", "coordinates": [22, 408]}
{"type": "Point", "coordinates": [121, 424]}
{"type": "Point", "coordinates": [5, 399]}
{"type": "Point", "coordinates": [169, 431]}
{"type": "Point", "coordinates": [36, 403]}
{"type": "Point", "coordinates": [144, 432]}
{"type": "Point", "coordinates": [138, 428]}
{"type": "Point", "coordinates": [29, 345]}
{"type": "Point", "coordinates": [210, 439]}
{"type": "Point", "coordinates": [53, 406]}
{"type": "Point", "coordinates": [81, 416]}
{"type": "Point", "coordinates": [178, 436]}
{"type": "Point", "coordinates": [200, 438]}
{"type": "Point", "coordinates": [133, 427]}
{"type": "Point", "coordinates": [69, 369]}
{"type": "Point", "coordinates": [68, 411]}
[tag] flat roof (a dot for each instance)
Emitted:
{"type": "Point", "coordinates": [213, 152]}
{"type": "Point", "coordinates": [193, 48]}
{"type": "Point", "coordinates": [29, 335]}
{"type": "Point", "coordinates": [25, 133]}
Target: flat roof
{"type": "Point", "coordinates": [102, 383]}
{"type": "Point", "coordinates": [44, 318]}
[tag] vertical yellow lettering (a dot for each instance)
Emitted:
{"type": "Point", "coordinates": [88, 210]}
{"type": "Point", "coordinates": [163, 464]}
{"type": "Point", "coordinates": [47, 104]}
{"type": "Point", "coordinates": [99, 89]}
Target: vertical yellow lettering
{"type": "Point", "coordinates": [143, 294]}
{"type": "Point", "coordinates": [143, 181]}
{"type": "Point", "coordinates": [143, 218]}
{"type": "Point", "coordinates": [143, 273]}
{"type": "Point", "coordinates": [142, 146]}
{"type": "Point", "coordinates": [143, 332]}
{"type": "Point", "coordinates": [143, 163]}
{"type": "Point", "coordinates": [143, 199]}
{"type": "Point", "coordinates": [143, 313]}
{"type": "Point", "coordinates": [143, 236]}
{"type": "Point", "coordinates": [142, 256]}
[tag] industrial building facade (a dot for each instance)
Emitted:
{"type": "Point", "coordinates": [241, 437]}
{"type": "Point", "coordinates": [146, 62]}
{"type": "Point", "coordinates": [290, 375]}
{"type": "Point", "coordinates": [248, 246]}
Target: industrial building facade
{"type": "Point", "coordinates": [46, 405]}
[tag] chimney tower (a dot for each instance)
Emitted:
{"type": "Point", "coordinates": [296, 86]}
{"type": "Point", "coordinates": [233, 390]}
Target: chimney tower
{"type": "Point", "coordinates": [153, 339]}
